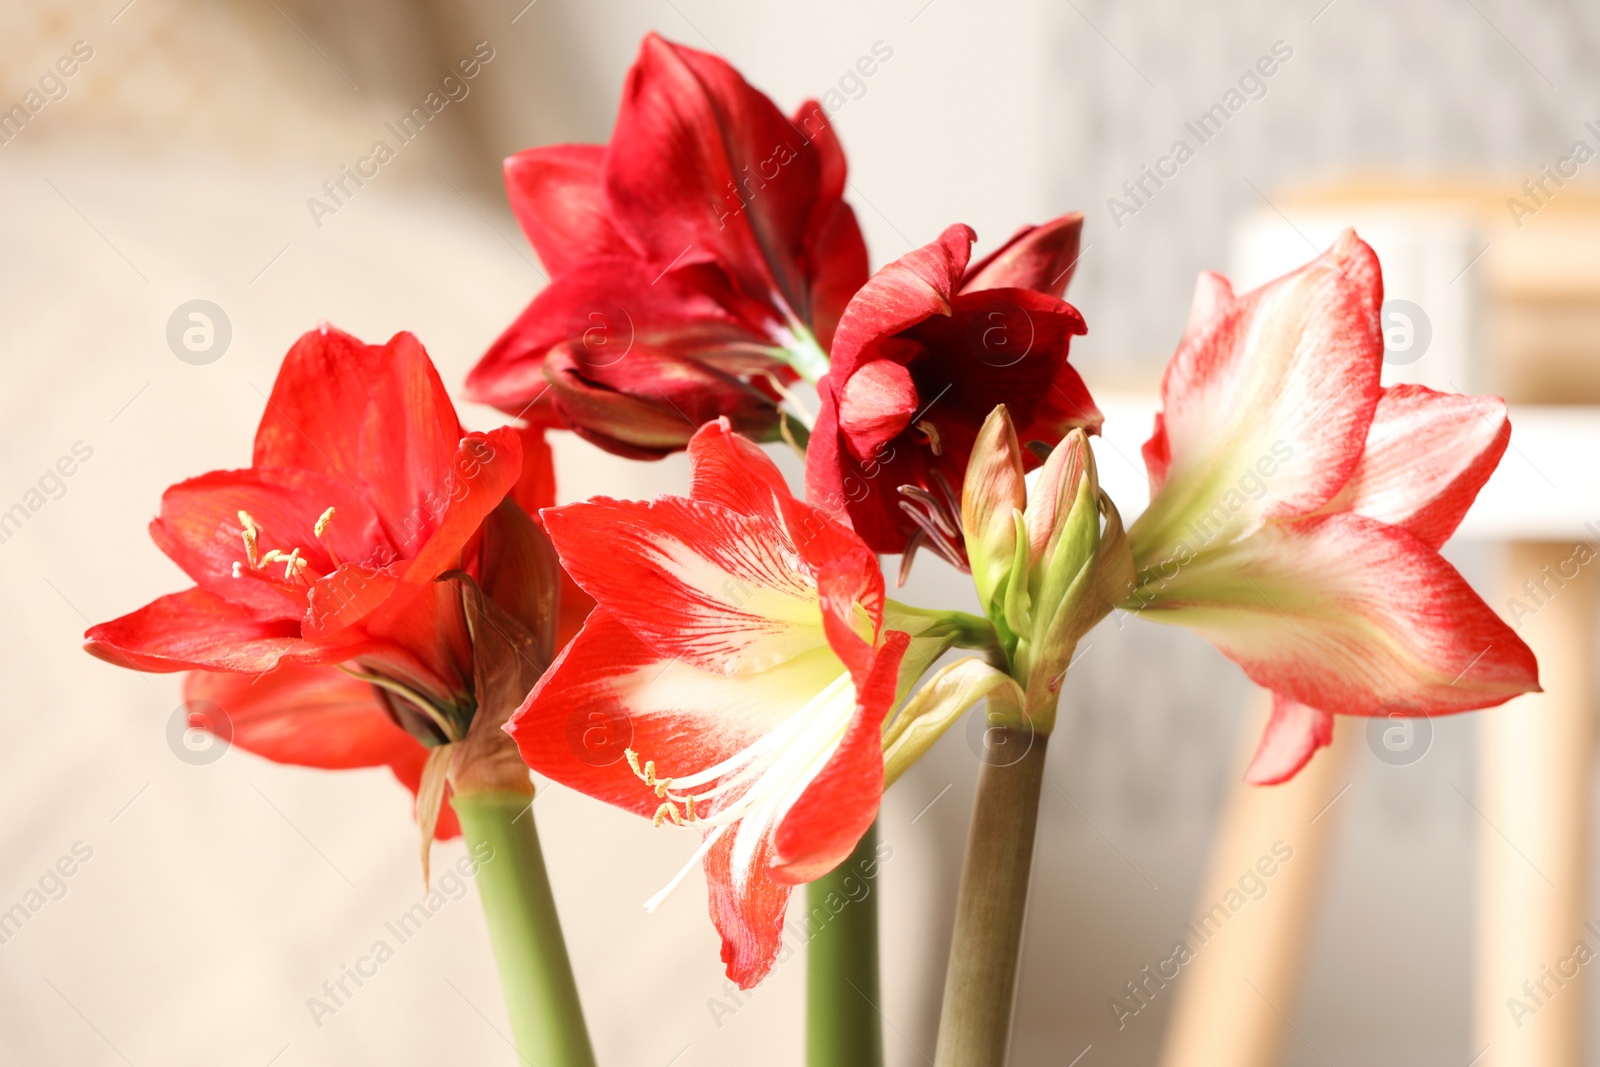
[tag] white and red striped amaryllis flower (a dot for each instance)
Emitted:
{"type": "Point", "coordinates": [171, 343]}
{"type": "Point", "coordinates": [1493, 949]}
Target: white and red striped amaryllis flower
{"type": "Point", "coordinates": [1299, 508]}
{"type": "Point", "coordinates": [733, 676]}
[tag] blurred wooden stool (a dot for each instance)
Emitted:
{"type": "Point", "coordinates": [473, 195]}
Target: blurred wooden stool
{"type": "Point", "coordinates": [1495, 308]}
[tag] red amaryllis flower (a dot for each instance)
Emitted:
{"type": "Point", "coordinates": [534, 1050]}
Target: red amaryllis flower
{"type": "Point", "coordinates": [926, 350]}
{"type": "Point", "coordinates": [1301, 507]}
{"type": "Point", "coordinates": [369, 532]}
{"type": "Point", "coordinates": [733, 677]}
{"type": "Point", "coordinates": [696, 262]}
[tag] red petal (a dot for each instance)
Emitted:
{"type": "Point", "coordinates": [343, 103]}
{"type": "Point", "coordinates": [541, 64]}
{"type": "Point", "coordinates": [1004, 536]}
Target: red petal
{"type": "Point", "coordinates": [482, 471]}
{"type": "Point", "coordinates": [1157, 452]}
{"type": "Point", "coordinates": [312, 717]}
{"type": "Point", "coordinates": [575, 608]}
{"type": "Point", "coordinates": [914, 287]}
{"type": "Point", "coordinates": [198, 629]}
{"type": "Point", "coordinates": [729, 469]}
{"type": "Point", "coordinates": [1213, 295]}
{"type": "Point", "coordinates": [849, 581]}
{"type": "Point", "coordinates": [1005, 346]}
{"type": "Point", "coordinates": [536, 485]}
{"type": "Point", "coordinates": [824, 825]}
{"type": "Point", "coordinates": [875, 405]}
{"type": "Point", "coordinates": [1292, 737]}
{"type": "Point", "coordinates": [556, 194]}
{"type": "Point", "coordinates": [1041, 258]}
{"type": "Point", "coordinates": [835, 254]}
{"type": "Point", "coordinates": [377, 417]}
{"type": "Point", "coordinates": [1426, 457]}
{"type": "Point", "coordinates": [421, 636]}
{"type": "Point", "coordinates": [605, 310]}
{"type": "Point", "coordinates": [309, 716]}
{"type": "Point", "coordinates": [652, 402]}
{"type": "Point", "coordinates": [536, 489]}
{"type": "Point", "coordinates": [702, 167]}
{"type": "Point", "coordinates": [199, 529]}
{"type": "Point", "coordinates": [518, 570]}
{"type": "Point", "coordinates": [811, 119]}
{"type": "Point", "coordinates": [748, 909]}
{"type": "Point", "coordinates": [609, 691]}
{"type": "Point", "coordinates": [826, 457]}
{"type": "Point", "coordinates": [1286, 374]}
{"type": "Point", "coordinates": [345, 597]}
{"type": "Point", "coordinates": [693, 580]}
{"type": "Point", "coordinates": [1351, 616]}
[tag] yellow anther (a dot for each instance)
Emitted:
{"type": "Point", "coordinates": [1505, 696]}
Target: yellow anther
{"type": "Point", "coordinates": [292, 564]}
{"type": "Point", "coordinates": [648, 774]}
{"type": "Point", "coordinates": [668, 810]}
{"type": "Point", "coordinates": [249, 532]}
{"type": "Point", "coordinates": [322, 523]}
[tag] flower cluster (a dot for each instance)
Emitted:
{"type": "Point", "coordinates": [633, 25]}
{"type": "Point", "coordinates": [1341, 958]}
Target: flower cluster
{"type": "Point", "coordinates": [380, 587]}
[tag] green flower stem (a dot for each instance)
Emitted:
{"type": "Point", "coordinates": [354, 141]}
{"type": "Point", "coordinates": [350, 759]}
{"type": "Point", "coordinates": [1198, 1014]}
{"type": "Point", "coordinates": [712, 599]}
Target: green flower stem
{"type": "Point", "coordinates": [963, 630]}
{"type": "Point", "coordinates": [541, 996]}
{"type": "Point", "coordinates": [980, 983]}
{"type": "Point", "coordinates": [805, 355]}
{"type": "Point", "coordinates": [842, 1021]}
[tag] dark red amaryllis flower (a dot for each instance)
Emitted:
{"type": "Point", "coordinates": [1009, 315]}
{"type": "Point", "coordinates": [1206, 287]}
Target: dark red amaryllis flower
{"type": "Point", "coordinates": [924, 352]}
{"type": "Point", "coordinates": [366, 586]}
{"type": "Point", "coordinates": [697, 262]}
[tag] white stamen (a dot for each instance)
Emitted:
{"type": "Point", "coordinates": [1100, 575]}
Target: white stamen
{"type": "Point", "coordinates": [766, 778]}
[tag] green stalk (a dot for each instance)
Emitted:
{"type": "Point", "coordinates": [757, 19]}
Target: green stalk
{"type": "Point", "coordinates": [806, 355]}
{"type": "Point", "coordinates": [981, 980]}
{"type": "Point", "coordinates": [842, 1022]}
{"type": "Point", "coordinates": [541, 996]}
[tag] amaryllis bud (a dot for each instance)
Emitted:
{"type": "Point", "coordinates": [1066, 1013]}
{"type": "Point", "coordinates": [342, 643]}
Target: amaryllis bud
{"type": "Point", "coordinates": [1048, 563]}
{"type": "Point", "coordinates": [1083, 567]}
{"type": "Point", "coordinates": [994, 493]}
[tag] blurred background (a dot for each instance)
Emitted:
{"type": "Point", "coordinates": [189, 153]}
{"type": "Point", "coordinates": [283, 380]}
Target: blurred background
{"type": "Point", "coordinates": [211, 899]}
